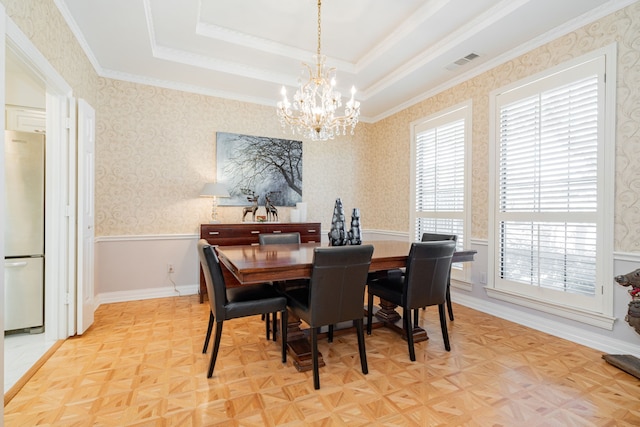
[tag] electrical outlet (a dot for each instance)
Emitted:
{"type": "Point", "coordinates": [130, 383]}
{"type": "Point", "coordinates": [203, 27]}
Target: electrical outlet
{"type": "Point", "coordinates": [483, 278]}
{"type": "Point", "coordinates": [170, 268]}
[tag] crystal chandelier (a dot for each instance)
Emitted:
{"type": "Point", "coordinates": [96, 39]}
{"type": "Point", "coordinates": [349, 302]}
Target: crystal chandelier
{"type": "Point", "coordinates": [315, 104]}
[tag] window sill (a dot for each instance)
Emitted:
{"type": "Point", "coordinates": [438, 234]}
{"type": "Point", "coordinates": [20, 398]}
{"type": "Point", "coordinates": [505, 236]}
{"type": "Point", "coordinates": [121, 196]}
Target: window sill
{"type": "Point", "coordinates": [594, 319]}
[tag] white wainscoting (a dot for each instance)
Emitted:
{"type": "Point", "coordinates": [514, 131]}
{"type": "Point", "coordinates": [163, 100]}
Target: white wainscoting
{"type": "Point", "coordinates": [130, 268]}
{"type": "Point", "coordinates": [135, 267]}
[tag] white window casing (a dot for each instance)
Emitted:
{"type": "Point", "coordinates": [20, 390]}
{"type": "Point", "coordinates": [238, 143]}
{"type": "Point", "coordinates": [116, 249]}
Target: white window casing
{"type": "Point", "coordinates": [440, 191]}
{"type": "Point", "coordinates": [552, 147]}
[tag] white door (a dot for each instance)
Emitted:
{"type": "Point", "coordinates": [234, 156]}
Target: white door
{"type": "Point", "coordinates": [64, 114]}
{"type": "Point", "coordinates": [86, 216]}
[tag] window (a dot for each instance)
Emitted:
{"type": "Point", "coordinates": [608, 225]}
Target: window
{"type": "Point", "coordinates": [549, 203]}
{"type": "Point", "coordinates": [440, 157]}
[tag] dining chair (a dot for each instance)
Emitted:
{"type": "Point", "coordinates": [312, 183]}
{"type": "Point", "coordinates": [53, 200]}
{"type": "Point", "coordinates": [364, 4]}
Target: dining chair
{"type": "Point", "coordinates": [275, 239]}
{"type": "Point", "coordinates": [231, 303]}
{"type": "Point", "coordinates": [278, 238]}
{"type": "Point", "coordinates": [335, 294]}
{"type": "Point", "coordinates": [432, 237]}
{"type": "Point", "coordinates": [423, 284]}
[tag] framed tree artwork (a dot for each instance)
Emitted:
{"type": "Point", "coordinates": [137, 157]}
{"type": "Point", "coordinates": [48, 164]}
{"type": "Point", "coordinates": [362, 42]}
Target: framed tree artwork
{"type": "Point", "coordinates": [257, 166]}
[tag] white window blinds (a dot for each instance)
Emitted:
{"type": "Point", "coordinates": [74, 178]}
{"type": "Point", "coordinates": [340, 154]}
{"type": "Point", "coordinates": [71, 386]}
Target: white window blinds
{"type": "Point", "coordinates": [548, 187]}
{"type": "Point", "coordinates": [440, 175]}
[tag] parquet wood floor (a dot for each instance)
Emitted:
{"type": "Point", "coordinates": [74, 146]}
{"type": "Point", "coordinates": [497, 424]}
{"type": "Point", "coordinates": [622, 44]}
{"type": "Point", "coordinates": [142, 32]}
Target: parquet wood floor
{"type": "Point", "coordinates": [141, 364]}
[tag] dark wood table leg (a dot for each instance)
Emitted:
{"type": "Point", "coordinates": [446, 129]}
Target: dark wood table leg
{"type": "Point", "coordinates": [299, 346]}
{"type": "Point", "coordinates": [298, 341]}
{"type": "Point", "coordinates": [388, 315]}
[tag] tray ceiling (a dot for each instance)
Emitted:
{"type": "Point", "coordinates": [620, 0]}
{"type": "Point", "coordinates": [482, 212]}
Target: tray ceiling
{"type": "Point", "coordinates": [394, 52]}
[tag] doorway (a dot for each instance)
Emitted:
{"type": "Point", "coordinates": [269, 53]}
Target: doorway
{"type": "Point", "coordinates": [25, 106]}
{"type": "Point", "coordinates": [60, 173]}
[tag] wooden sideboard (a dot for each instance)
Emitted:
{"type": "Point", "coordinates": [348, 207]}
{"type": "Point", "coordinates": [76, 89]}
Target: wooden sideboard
{"type": "Point", "coordinates": [247, 234]}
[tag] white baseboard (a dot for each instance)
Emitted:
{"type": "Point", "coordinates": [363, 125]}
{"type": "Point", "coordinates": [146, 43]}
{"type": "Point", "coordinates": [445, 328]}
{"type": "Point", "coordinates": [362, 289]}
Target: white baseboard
{"type": "Point", "coordinates": [581, 336]}
{"type": "Point", "coordinates": [558, 329]}
{"type": "Point", "coordinates": [148, 293]}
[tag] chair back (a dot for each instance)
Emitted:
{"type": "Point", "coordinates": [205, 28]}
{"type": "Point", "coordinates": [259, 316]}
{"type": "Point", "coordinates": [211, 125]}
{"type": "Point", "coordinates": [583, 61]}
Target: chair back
{"type": "Point", "coordinates": [280, 238]}
{"type": "Point", "coordinates": [427, 274]}
{"type": "Point", "coordinates": [338, 279]}
{"type": "Point", "coordinates": [432, 237]}
{"type": "Point", "coordinates": [216, 287]}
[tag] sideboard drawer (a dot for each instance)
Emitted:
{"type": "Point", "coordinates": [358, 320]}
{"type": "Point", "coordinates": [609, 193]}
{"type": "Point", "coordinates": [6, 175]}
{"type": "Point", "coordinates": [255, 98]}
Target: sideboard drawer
{"type": "Point", "coordinates": [215, 231]}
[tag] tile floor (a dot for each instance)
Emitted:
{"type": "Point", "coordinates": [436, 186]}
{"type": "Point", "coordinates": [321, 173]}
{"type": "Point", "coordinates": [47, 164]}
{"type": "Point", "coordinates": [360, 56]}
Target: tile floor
{"type": "Point", "coordinates": [21, 352]}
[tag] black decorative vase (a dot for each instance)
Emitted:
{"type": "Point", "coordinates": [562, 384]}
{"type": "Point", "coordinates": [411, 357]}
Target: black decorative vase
{"type": "Point", "coordinates": [337, 234]}
{"type": "Point", "coordinates": [355, 235]}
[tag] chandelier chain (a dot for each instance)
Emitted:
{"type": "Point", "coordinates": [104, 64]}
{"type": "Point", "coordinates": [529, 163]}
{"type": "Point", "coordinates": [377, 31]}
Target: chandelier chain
{"type": "Point", "coordinates": [314, 111]}
{"type": "Point", "coordinates": [319, 26]}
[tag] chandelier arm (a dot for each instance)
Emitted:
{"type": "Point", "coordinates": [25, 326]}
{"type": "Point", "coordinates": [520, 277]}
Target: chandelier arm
{"type": "Point", "coordinates": [315, 104]}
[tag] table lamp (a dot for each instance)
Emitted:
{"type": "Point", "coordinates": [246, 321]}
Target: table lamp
{"type": "Point", "coordinates": [215, 190]}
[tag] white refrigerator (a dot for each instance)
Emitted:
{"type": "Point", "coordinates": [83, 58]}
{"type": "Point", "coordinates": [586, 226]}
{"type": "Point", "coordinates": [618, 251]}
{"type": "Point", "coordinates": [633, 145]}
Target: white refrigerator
{"type": "Point", "coordinates": [24, 231]}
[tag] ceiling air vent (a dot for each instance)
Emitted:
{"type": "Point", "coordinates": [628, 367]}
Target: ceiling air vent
{"type": "Point", "coordinates": [462, 61]}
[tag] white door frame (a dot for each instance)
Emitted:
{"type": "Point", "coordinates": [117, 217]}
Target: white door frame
{"type": "Point", "coordinates": [60, 182]}
{"type": "Point", "coordinates": [2, 197]}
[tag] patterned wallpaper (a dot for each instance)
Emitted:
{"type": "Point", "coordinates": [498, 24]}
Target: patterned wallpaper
{"type": "Point", "coordinates": [156, 147]}
{"type": "Point", "coordinates": [43, 24]}
{"type": "Point", "coordinates": [390, 150]}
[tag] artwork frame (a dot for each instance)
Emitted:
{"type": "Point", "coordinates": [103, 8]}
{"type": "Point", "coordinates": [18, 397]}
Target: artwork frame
{"type": "Point", "coordinates": [251, 166]}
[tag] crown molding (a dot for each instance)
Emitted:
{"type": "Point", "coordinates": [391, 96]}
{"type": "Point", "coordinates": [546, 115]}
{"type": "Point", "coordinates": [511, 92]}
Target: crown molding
{"type": "Point", "coordinates": [185, 87]}
{"type": "Point", "coordinates": [442, 46]}
{"type": "Point", "coordinates": [226, 35]}
{"type": "Point", "coordinates": [75, 29]}
{"type": "Point", "coordinates": [566, 28]}
{"type": "Point", "coordinates": [202, 61]}
{"type": "Point", "coordinates": [400, 33]}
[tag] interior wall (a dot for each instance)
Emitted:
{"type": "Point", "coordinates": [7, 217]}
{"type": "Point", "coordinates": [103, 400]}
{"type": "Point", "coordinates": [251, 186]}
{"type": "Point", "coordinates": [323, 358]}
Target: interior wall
{"type": "Point", "coordinates": [42, 23]}
{"type": "Point", "coordinates": [390, 137]}
{"type": "Point", "coordinates": [156, 148]}
{"type": "Point", "coordinates": [390, 157]}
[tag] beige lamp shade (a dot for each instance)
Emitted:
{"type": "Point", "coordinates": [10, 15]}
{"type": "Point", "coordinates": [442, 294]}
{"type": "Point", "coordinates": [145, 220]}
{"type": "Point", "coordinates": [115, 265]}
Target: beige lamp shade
{"type": "Point", "coordinates": [214, 189]}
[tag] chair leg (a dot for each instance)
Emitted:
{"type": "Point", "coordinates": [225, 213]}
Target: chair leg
{"type": "Point", "coordinates": [274, 324]}
{"type": "Point", "coordinates": [443, 326]}
{"type": "Point", "coordinates": [314, 356]}
{"type": "Point", "coordinates": [216, 347]}
{"type": "Point", "coordinates": [330, 334]}
{"type": "Point", "coordinates": [361, 348]}
{"type": "Point", "coordinates": [208, 336]}
{"type": "Point", "coordinates": [449, 309]}
{"type": "Point", "coordinates": [416, 316]}
{"type": "Point", "coordinates": [369, 312]}
{"type": "Point", "coordinates": [284, 316]}
{"type": "Point", "coordinates": [267, 324]}
{"type": "Point", "coordinates": [406, 315]}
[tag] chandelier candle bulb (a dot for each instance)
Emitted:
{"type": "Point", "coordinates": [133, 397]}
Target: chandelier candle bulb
{"type": "Point", "coordinates": [313, 113]}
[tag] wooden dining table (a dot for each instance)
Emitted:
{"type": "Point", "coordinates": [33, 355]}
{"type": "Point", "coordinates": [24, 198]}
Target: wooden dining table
{"type": "Point", "coordinates": [251, 264]}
